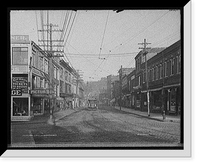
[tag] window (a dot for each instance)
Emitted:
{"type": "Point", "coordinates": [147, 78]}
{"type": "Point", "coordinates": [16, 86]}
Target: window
{"type": "Point", "coordinates": [165, 69]}
{"type": "Point", "coordinates": [20, 106]}
{"type": "Point", "coordinates": [156, 72]}
{"type": "Point", "coordinates": [148, 75]}
{"type": "Point", "coordinates": [45, 84]}
{"type": "Point", "coordinates": [161, 70]}
{"type": "Point", "coordinates": [171, 67]}
{"type": "Point", "coordinates": [144, 77]}
{"type": "Point", "coordinates": [57, 74]}
{"type": "Point", "coordinates": [46, 66]}
{"type": "Point", "coordinates": [20, 55]}
{"type": "Point", "coordinates": [41, 64]}
{"type": "Point", "coordinates": [54, 72]}
{"type": "Point", "coordinates": [168, 68]}
{"type": "Point", "coordinates": [69, 77]}
{"type": "Point", "coordinates": [37, 82]}
{"type": "Point", "coordinates": [34, 82]}
{"type": "Point", "coordinates": [152, 74]}
{"type": "Point", "coordinates": [61, 73]}
{"type": "Point", "coordinates": [139, 80]}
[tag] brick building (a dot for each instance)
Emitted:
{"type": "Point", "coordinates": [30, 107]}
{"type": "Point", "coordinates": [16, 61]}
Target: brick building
{"type": "Point", "coordinates": [164, 78]}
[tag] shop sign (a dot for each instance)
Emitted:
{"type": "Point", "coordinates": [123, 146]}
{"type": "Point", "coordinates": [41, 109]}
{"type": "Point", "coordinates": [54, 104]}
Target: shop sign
{"type": "Point", "coordinates": [16, 92]}
{"type": "Point", "coordinates": [20, 38]}
{"type": "Point", "coordinates": [42, 92]}
{"type": "Point", "coordinates": [20, 82]}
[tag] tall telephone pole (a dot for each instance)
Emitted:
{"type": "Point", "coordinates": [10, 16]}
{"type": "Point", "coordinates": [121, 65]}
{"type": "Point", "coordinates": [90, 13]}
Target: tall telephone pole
{"type": "Point", "coordinates": [147, 81]}
{"type": "Point", "coordinates": [51, 52]}
{"type": "Point", "coordinates": [120, 82]}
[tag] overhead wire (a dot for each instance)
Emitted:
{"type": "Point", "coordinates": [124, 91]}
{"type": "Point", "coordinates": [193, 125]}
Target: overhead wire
{"type": "Point", "coordinates": [37, 24]}
{"type": "Point", "coordinates": [140, 32]}
{"type": "Point", "coordinates": [103, 34]}
{"type": "Point", "coordinates": [70, 29]}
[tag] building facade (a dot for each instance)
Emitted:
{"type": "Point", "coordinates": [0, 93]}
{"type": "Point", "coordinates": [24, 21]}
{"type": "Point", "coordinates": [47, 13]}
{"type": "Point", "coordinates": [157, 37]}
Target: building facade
{"type": "Point", "coordinates": [31, 91]}
{"type": "Point", "coordinates": [39, 75]}
{"type": "Point", "coordinates": [164, 79]}
{"type": "Point", "coordinates": [20, 77]}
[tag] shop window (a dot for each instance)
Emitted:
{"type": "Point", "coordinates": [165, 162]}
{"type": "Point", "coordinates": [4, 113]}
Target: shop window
{"type": "Point", "coordinates": [37, 105]}
{"type": "Point", "coordinates": [173, 101]}
{"type": "Point", "coordinates": [20, 55]}
{"type": "Point", "coordinates": [20, 107]}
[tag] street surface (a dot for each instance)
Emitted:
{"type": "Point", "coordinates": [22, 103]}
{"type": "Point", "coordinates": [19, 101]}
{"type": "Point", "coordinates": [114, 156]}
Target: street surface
{"type": "Point", "coordinates": [104, 127]}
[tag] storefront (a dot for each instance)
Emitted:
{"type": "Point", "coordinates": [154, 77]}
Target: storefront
{"type": "Point", "coordinates": [173, 100]}
{"type": "Point", "coordinates": [20, 99]}
{"type": "Point", "coordinates": [156, 101]}
{"type": "Point", "coordinates": [39, 101]}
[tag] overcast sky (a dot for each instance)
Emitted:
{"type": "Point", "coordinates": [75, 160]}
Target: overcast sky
{"type": "Point", "coordinates": [112, 36]}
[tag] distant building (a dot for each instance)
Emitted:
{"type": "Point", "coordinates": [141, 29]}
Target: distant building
{"type": "Point", "coordinates": [110, 79]}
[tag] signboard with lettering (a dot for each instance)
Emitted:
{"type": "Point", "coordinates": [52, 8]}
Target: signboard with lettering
{"type": "Point", "coordinates": [16, 92]}
{"type": "Point", "coordinates": [42, 92]}
{"type": "Point", "coordinates": [20, 82]}
{"type": "Point", "coordinates": [20, 39]}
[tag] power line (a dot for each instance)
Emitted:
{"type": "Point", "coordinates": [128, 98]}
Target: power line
{"type": "Point", "coordinates": [118, 54]}
{"type": "Point", "coordinates": [66, 27]}
{"type": "Point", "coordinates": [86, 58]}
{"type": "Point", "coordinates": [37, 24]}
{"type": "Point", "coordinates": [70, 28]}
{"type": "Point", "coordinates": [103, 35]}
{"type": "Point", "coordinates": [129, 39]}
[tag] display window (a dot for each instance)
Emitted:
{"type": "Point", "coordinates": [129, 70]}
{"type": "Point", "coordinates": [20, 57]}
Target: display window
{"type": "Point", "coordinates": [37, 105]}
{"type": "Point", "coordinates": [173, 101]}
{"type": "Point", "coordinates": [20, 107]}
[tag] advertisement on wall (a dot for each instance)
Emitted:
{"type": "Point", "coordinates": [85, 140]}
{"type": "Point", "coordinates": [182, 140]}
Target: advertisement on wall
{"type": "Point", "coordinates": [20, 82]}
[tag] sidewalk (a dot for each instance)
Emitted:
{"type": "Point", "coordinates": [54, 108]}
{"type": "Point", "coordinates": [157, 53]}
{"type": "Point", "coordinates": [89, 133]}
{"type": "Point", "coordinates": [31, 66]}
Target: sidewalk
{"type": "Point", "coordinates": [154, 116]}
{"type": "Point", "coordinates": [21, 131]}
{"type": "Point", "coordinates": [44, 118]}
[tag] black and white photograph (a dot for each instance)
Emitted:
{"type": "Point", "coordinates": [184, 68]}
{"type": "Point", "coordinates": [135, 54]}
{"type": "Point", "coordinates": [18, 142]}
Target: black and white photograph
{"type": "Point", "coordinates": [97, 79]}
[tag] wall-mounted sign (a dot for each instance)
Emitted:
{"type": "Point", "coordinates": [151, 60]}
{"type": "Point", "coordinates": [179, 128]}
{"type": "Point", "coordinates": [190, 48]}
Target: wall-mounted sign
{"type": "Point", "coordinates": [42, 92]}
{"type": "Point", "coordinates": [16, 92]}
{"type": "Point", "coordinates": [20, 39]}
{"type": "Point", "coordinates": [20, 82]}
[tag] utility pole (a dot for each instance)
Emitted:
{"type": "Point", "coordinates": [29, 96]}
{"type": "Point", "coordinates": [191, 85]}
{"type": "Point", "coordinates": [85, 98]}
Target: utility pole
{"type": "Point", "coordinates": [120, 82]}
{"type": "Point", "coordinates": [51, 52]}
{"type": "Point", "coordinates": [147, 81]}
{"type": "Point", "coordinates": [163, 91]}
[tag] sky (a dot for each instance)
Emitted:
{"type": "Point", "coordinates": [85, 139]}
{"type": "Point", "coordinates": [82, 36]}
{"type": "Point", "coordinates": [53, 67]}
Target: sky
{"type": "Point", "coordinates": [100, 41]}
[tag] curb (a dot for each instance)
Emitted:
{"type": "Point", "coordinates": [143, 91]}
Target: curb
{"type": "Point", "coordinates": [161, 120]}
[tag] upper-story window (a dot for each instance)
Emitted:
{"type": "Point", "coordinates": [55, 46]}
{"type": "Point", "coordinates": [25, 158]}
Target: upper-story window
{"type": "Point", "coordinates": [46, 67]}
{"type": "Point", "coordinates": [20, 55]}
